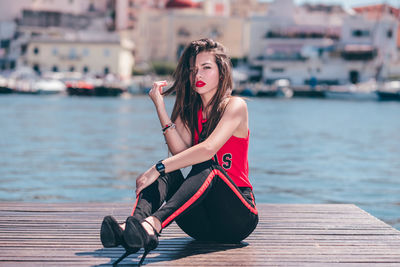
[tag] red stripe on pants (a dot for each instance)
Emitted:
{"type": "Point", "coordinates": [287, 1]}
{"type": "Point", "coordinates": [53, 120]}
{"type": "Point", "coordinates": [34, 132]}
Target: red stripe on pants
{"type": "Point", "coordinates": [134, 207]}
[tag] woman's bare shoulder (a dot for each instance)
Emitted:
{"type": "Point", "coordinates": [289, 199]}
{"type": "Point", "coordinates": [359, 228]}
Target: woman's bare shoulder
{"type": "Point", "coordinates": [236, 104]}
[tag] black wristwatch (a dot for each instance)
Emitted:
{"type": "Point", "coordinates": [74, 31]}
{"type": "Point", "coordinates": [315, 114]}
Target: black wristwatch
{"type": "Point", "coordinates": [160, 168]}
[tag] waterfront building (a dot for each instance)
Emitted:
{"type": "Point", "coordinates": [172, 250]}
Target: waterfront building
{"type": "Point", "coordinates": [292, 42]}
{"type": "Point", "coordinates": [160, 34]}
{"type": "Point", "coordinates": [85, 52]}
{"type": "Point", "coordinates": [389, 58]}
{"type": "Point", "coordinates": [372, 43]}
{"type": "Point", "coordinates": [41, 23]}
{"type": "Point", "coordinates": [319, 42]}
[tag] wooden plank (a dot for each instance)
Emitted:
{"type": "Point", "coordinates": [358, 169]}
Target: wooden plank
{"type": "Point", "coordinates": [61, 234]}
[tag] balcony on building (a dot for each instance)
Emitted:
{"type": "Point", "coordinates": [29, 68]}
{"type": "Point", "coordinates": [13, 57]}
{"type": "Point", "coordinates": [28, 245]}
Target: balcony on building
{"type": "Point", "coordinates": [304, 32]}
{"type": "Point", "coordinates": [283, 52]}
{"type": "Point", "coordinates": [362, 52]}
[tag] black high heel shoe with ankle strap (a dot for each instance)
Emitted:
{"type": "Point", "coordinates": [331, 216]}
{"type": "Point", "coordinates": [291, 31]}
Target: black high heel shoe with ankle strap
{"type": "Point", "coordinates": [111, 235]}
{"type": "Point", "coordinates": [136, 237]}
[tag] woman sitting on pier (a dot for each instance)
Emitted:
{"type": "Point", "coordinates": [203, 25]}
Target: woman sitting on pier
{"type": "Point", "coordinates": [208, 130]}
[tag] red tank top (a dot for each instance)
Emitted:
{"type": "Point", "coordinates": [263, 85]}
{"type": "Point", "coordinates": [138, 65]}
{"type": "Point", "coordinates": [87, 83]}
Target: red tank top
{"type": "Point", "coordinates": [232, 156]}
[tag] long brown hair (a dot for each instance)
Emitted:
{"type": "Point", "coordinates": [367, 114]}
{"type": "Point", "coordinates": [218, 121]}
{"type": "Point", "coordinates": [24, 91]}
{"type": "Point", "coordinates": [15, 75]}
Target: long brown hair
{"type": "Point", "coordinates": [188, 101]}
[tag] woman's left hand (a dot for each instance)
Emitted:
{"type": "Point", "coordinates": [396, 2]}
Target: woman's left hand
{"type": "Point", "coordinates": [146, 179]}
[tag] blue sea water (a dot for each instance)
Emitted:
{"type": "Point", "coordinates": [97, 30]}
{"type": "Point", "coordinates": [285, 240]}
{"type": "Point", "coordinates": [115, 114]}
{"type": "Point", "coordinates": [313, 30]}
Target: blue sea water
{"type": "Point", "coordinates": [72, 149]}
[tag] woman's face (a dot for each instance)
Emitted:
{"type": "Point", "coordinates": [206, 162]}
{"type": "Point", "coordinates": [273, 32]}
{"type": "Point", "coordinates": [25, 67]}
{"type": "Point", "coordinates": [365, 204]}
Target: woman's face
{"type": "Point", "coordinates": [207, 74]}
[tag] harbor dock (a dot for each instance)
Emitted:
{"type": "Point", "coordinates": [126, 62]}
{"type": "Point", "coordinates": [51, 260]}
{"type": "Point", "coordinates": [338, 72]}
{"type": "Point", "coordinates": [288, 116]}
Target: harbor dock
{"type": "Point", "coordinates": [67, 234]}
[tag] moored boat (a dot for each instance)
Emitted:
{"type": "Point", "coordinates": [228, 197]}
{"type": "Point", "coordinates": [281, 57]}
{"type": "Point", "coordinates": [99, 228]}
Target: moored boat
{"type": "Point", "coordinates": [307, 91]}
{"type": "Point", "coordinates": [389, 91]}
{"type": "Point", "coordinates": [80, 88]}
{"type": "Point", "coordinates": [361, 91]}
{"type": "Point", "coordinates": [93, 87]}
{"type": "Point", "coordinates": [4, 89]}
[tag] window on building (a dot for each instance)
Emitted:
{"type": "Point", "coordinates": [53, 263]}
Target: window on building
{"type": "Point", "coordinates": [215, 33]}
{"type": "Point", "coordinates": [85, 69]}
{"type": "Point", "coordinates": [36, 68]}
{"type": "Point", "coordinates": [4, 44]}
{"type": "Point", "coordinates": [72, 53]}
{"type": "Point", "coordinates": [277, 70]}
{"type": "Point", "coordinates": [72, 69]}
{"type": "Point", "coordinates": [55, 51]}
{"type": "Point", "coordinates": [106, 52]}
{"type": "Point", "coordinates": [54, 68]}
{"type": "Point", "coordinates": [183, 32]}
{"type": "Point", "coordinates": [106, 70]}
{"type": "Point", "coordinates": [132, 17]}
{"type": "Point", "coordinates": [85, 52]}
{"type": "Point", "coordinates": [24, 48]}
{"type": "Point", "coordinates": [389, 34]}
{"type": "Point", "coordinates": [360, 33]}
{"type": "Point", "coordinates": [12, 64]}
{"type": "Point", "coordinates": [36, 50]}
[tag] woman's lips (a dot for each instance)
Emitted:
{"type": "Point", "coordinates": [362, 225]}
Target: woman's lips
{"type": "Point", "coordinates": [200, 84]}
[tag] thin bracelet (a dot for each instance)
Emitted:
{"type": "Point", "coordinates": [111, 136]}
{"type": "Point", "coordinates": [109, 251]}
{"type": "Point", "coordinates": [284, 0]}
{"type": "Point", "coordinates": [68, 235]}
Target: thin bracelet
{"type": "Point", "coordinates": [168, 126]}
{"type": "Point", "coordinates": [172, 126]}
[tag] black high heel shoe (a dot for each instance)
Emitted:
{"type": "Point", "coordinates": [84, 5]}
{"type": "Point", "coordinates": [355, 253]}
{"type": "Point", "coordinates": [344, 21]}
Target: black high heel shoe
{"type": "Point", "coordinates": [136, 236]}
{"type": "Point", "coordinates": [111, 234]}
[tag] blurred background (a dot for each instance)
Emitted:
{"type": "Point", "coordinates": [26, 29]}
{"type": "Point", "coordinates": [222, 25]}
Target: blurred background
{"type": "Point", "coordinates": [321, 78]}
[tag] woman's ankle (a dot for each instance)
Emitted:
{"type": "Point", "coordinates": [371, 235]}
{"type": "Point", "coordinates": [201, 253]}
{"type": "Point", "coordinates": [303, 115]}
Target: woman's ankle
{"type": "Point", "coordinates": [152, 223]}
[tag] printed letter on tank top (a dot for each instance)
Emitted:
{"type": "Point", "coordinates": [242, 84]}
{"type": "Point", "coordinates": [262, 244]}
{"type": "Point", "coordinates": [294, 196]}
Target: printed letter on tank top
{"type": "Point", "coordinates": [232, 156]}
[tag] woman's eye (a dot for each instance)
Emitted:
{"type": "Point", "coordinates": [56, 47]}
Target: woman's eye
{"type": "Point", "coordinates": [207, 67]}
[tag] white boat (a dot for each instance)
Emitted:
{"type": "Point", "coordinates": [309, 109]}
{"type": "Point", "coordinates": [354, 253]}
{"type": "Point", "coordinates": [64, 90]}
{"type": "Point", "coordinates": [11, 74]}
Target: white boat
{"type": "Point", "coordinates": [48, 86]}
{"type": "Point", "coordinates": [283, 88]}
{"type": "Point", "coordinates": [389, 91]}
{"type": "Point", "coordinates": [4, 89]}
{"type": "Point", "coordinates": [360, 91]}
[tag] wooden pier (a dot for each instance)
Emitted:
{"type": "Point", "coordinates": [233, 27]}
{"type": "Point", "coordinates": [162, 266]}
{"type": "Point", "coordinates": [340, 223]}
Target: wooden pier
{"type": "Point", "coordinates": [67, 234]}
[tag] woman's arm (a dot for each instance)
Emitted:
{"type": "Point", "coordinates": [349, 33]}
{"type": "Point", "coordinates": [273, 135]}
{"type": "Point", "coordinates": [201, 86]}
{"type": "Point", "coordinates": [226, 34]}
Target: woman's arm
{"type": "Point", "coordinates": [234, 117]}
{"type": "Point", "coordinates": [178, 139]}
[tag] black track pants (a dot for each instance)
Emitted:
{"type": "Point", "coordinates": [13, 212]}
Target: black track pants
{"type": "Point", "coordinates": [207, 205]}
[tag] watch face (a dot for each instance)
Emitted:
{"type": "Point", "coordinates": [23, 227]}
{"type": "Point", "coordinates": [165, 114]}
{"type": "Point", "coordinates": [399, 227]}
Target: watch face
{"type": "Point", "coordinates": [160, 167]}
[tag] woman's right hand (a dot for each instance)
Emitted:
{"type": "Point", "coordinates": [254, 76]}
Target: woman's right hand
{"type": "Point", "coordinates": [156, 92]}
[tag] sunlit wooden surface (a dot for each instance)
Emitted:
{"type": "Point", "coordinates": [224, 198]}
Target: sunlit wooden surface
{"type": "Point", "coordinates": [66, 234]}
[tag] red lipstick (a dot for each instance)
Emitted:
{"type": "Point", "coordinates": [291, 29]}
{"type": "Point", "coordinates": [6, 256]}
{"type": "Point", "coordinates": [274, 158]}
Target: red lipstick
{"type": "Point", "coordinates": [200, 84]}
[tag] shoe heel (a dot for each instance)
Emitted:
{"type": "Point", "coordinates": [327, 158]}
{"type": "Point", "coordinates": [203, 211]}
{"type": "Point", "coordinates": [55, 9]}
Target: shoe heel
{"type": "Point", "coordinates": [135, 235]}
{"type": "Point", "coordinates": [126, 254]}
{"type": "Point", "coordinates": [143, 257]}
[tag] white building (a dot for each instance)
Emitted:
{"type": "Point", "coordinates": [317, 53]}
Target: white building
{"type": "Point", "coordinates": [323, 42]}
{"type": "Point", "coordinates": [374, 42]}
{"type": "Point", "coordinates": [96, 54]}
